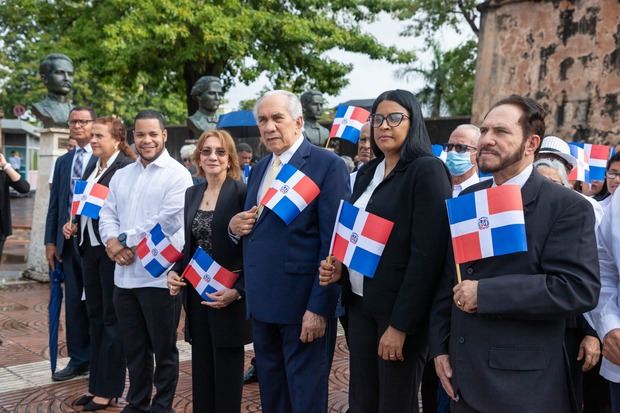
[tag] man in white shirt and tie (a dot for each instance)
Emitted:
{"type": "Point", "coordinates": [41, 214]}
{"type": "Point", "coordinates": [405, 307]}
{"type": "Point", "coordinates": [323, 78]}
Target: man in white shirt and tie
{"type": "Point", "coordinates": [148, 192]}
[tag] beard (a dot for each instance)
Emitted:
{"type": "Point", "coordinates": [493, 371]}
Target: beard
{"type": "Point", "coordinates": [504, 162]}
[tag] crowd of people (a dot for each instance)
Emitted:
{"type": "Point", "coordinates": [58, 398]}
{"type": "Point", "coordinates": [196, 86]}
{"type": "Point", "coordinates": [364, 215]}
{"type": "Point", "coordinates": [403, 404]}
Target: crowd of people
{"type": "Point", "coordinates": [520, 332]}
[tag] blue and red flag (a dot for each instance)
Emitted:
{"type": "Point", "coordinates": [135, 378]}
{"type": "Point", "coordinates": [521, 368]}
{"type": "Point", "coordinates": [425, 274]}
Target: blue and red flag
{"type": "Point", "coordinates": [487, 223]}
{"type": "Point", "coordinates": [598, 155]}
{"type": "Point", "coordinates": [359, 238]}
{"type": "Point", "coordinates": [207, 276]}
{"type": "Point", "coordinates": [88, 198]}
{"type": "Point", "coordinates": [581, 172]}
{"type": "Point", "coordinates": [156, 252]}
{"type": "Point", "coordinates": [440, 152]}
{"type": "Point", "coordinates": [290, 193]}
{"type": "Point", "coordinates": [348, 123]}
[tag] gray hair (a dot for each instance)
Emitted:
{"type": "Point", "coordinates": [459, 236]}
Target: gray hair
{"type": "Point", "coordinates": [187, 151]}
{"type": "Point", "coordinates": [555, 165]}
{"type": "Point", "coordinates": [471, 127]}
{"type": "Point", "coordinates": [294, 105]}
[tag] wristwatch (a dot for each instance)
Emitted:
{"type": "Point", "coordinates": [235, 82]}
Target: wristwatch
{"type": "Point", "coordinates": [122, 238]}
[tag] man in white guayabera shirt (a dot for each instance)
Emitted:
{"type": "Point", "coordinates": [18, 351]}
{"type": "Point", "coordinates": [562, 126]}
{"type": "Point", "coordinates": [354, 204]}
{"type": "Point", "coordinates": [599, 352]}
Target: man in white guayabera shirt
{"type": "Point", "coordinates": [148, 192]}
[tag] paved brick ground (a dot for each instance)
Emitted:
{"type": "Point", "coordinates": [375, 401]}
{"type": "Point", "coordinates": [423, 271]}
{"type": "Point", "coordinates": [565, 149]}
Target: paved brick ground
{"type": "Point", "coordinates": [24, 366]}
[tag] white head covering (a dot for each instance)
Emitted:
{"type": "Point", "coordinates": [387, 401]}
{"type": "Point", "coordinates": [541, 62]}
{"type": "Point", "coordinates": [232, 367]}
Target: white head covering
{"type": "Point", "coordinates": [556, 146]}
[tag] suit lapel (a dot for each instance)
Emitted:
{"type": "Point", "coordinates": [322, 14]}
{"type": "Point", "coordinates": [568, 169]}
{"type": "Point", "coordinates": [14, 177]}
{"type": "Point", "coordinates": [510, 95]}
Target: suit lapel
{"type": "Point", "coordinates": [254, 182]}
{"type": "Point", "coordinates": [197, 194]}
{"type": "Point", "coordinates": [531, 188]}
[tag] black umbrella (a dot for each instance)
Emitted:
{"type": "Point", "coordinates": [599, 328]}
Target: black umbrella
{"type": "Point", "coordinates": [56, 279]}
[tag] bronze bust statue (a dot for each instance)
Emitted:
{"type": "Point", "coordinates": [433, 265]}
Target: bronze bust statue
{"type": "Point", "coordinates": [312, 102]}
{"type": "Point", "coordinates": [56, 71]}
{"type": "Point", "coordinates": [207, 91]}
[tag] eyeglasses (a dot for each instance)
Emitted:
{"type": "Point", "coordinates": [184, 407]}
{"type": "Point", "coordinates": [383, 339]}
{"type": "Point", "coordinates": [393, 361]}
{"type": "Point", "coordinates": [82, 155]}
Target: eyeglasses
{"type": "Point", "coordinates": [81, 122]}
{"type": "Point", "coordinates": [612, 175]}
{"type": "Point", "coordinates": [393, 119]}
{"type": "Point", "coordinates": [218, 152]}
{"type": "Point", "coordinates": [458, 147]}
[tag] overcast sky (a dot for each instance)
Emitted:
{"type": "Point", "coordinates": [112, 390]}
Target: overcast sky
{"type": "Point", "coordinates": [369, 77]}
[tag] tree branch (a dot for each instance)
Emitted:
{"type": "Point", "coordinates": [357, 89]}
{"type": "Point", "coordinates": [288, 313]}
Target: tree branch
{"type": "Point", "coordinates": [468, 17]}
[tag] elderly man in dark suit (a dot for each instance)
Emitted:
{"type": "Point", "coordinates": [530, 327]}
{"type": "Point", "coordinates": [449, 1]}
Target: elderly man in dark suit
{"type": "Point", "coordinates": [498, 336]}
{"type": "Point", "coordinates": [293, 318]}
{"type": "Point", "coordinates": [69, 168]}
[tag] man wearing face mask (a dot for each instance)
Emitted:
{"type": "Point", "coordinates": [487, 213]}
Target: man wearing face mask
{"type": "Point", "coordinates": [461, 160]}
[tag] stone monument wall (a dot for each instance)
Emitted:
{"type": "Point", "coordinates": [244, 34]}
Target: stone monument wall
{"type": "Point", "coordinates": [563, 53]}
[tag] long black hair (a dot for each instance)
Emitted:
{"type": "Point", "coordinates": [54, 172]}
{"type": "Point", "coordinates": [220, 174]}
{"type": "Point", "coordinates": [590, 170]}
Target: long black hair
{"type": "Point", "coordinates": [417, 143]}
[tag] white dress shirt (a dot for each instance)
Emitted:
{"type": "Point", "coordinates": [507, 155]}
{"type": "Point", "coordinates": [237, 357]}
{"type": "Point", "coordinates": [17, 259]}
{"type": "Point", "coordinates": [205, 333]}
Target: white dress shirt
{"type": "Point", "coordinates": [139, 198]}
{"type": "Point", "coordinates": [456, 189]}
{"type": "Point", "coordinates": [356, 278]}
{"type": "Point", "coordinates": [606, 316]}
{"type": "Point", "coordinates": [285, 157]}
{"type": "Point", "coordinates": [520, 178]}
{"type": "Point", "coordinates": [87, 222]}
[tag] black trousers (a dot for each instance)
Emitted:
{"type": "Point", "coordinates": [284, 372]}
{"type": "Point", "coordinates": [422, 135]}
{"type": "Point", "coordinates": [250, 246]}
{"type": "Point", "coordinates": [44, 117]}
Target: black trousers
{"type": "Point", "coordinates": [376, 385]}
{"type": "Point", "coordinates": [148, 319]}
{"type": "Point", "coordinates": [107, 361]}
{"type": "Point", "coordinates": [76, 315]}
{"type": "Point", "coordinates": [217, 372]}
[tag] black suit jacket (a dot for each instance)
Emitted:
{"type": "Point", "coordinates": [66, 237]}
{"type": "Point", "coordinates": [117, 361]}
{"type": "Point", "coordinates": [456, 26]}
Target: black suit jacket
{"type": "Point", "coordinates": [5, 201]}
{"type": "Point", "coordinates": [229, 327]}
{"type": "Point", "coordinates": [58, 209]}
{"type": "Point", "coordinates": [120, 162]}
{"type": "Point", "coordinates": [509, 356]}
{"type": "Point", "coordinates": [413, 197]}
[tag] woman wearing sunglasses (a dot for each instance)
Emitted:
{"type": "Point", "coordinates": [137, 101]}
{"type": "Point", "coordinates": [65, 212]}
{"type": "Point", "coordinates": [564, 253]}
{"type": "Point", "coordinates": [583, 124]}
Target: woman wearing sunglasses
{"type": "Point", "coordinates": [388, 313]}
{"type": "Point", "coordinates": [217, 329]}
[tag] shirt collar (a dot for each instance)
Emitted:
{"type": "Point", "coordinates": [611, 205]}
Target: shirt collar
{"type": "Point", "coordinates": [468, 182]}
{"type": "Point", "coordinates": [110, 161]}
{"type": "Point", "coordinates": [519, 179]}
{"type": "Point", "coordinates": [87, 148]}
{"type": "Point", "coordinates": [161, 161]}
{"type": "Point", "coordinates": [286, 156]}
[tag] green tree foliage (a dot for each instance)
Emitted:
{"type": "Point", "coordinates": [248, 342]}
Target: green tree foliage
{"type": "Point", "coordinates": [148, 53]}
{"type": "Point", "coordinates": [449, 80]}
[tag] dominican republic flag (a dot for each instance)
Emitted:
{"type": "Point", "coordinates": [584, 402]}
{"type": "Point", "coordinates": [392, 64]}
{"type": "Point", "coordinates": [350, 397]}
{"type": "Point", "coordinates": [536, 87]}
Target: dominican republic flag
{"type": "Point", "coordinates": [598, 155]}
{"type": "Point", "coordinates": [440, 152]}
{"type": "Point", "coordinates": [359, 238]}
{"type": "Point", "coordinates": [207, 276]}
{"type": "Point", "coordinates": [246, 173]}
{"type": "Point", "coordinates": [348, 123]}
{"type": "Point", "coordinates": [581, 172]}
{"type": "Point", "coordinates": [487, 223]}
{"type": "Point", "coordinates": [88, 198]}
{"type": "Point", "coordinates": [290, 193]}
{"type": "Point", "coordinates": [156, 252]}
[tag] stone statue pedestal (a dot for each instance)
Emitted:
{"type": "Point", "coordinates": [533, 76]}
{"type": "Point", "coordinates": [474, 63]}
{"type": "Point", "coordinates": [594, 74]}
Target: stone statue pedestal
{"type": "Point", "coordinates": [52, 144]}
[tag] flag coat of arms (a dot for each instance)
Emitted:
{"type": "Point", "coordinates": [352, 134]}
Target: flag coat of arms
{"type": "Point", "coordinates": [207, 276]}
{"type": "Point", "coordinates": [348, 123]}
{"type": "Point", "coordinates": [440, 152]}
{"type": "Point", "coordinates": [88, 198]}
{"type": "Point", "coordinates": [487, 223]}
{"type": "Point", "coordinates": [581, 172]}
{"type": "Point", "coordinates": [359, 238]}
{"type": "Point", "coordinates": [290, 193]}
{"type": "Point", "coordinates": [156, 252]}
{"type": "Point", "coordinates": [598, 155]}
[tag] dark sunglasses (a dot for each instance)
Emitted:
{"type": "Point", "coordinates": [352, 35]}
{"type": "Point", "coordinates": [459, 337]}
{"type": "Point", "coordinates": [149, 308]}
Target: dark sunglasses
{"type": "Point", "coordinates": [218, 152]}
{"type": "Point", "coordinates": [393, 119]}
{"type": "Point", "coordinates": [458, 148]}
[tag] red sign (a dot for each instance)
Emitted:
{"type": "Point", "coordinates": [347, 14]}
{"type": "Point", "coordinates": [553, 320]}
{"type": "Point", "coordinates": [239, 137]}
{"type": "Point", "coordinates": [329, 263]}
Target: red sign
{"type": "Point", "coordinates": [19, 110]}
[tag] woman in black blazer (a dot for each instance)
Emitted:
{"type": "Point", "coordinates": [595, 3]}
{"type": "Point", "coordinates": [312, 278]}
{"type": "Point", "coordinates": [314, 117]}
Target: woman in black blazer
{"type": "Point", "coordinates": [217, 330]}
{"type": "Point", "coordinates": [388, 313]}
{"type": "Point", "coordinates": [107, 361]}
{"type": "Point", "coordinates": [9, 177]}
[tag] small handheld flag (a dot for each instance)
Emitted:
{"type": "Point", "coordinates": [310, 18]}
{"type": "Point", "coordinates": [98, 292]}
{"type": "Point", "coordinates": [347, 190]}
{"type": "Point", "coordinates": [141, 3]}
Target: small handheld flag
{"type": "Point", "coordinates": [156, 252]}
{"type": "Point", "coordinates": [487, 223]}
{"type": "Point", "coordinates": [581, 172]}
{"type": "Point", "coordinates": [348, 123]}
{"type": "Point", "coordinates": [88, 198]}
{"type": "Point", "coordinates": [598, 155]}
{"type": "Point", "coordinates": [207, 276]}
{"type": "Point", "coordinates": [359, 238]}
{"type": "Point", "coordinates": [290, 193]}
{"type": "Point", "coordinates": [440, 152]}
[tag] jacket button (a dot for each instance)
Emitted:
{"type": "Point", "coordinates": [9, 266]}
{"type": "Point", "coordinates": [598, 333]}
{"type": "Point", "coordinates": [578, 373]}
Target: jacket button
{"type": "Point", "coordinates": [470, 270]}
{"type": "Point", "coordinates": [461, 340]}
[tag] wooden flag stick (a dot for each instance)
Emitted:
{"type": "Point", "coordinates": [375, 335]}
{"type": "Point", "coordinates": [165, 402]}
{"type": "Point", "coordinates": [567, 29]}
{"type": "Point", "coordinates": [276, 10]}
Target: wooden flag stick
{"type": "Point", "coordinates": [328, 140]}
{"type": "Point", "coordinates": [458, 272]}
